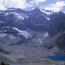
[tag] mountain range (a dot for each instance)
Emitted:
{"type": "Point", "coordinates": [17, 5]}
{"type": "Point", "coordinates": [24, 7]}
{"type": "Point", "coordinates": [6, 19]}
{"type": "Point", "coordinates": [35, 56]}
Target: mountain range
{"type": "Point", "coordinates": [31, 34]}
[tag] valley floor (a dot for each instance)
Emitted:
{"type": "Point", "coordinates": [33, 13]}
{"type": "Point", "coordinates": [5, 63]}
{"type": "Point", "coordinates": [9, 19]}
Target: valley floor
{"type": "Point", "coordinates": [30, 54]}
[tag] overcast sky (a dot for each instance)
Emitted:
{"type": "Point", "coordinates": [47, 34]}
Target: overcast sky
{"type": "Point", "coordinates": [54, 5]}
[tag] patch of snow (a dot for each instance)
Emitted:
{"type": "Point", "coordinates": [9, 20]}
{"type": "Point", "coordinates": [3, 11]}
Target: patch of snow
{"type": "Point", "coordinates": [2, 35]}
{"type": "Point", "coordinates": [12, 37]}
{"type": "Point", "coordinates": [20, 17]}
{"type": "Point", "coordinates": [24, 33]}
{"type": "Point", "coordinates": [40, 40]}
{"type": "Point", "coordinates": [48, 18]}
{"type": "Point", "coordinates": [8, 39]}
{"type": "Point", "coordinates": [16, 14]}
{"type": "Point", "coordinates": [46, 34]}
{"type": "Point", "coordinates": [6, 14]}
{"type": "Point", "coordinates": [45, 11]}
{"type": "Point", "coordinates": [24, 15]}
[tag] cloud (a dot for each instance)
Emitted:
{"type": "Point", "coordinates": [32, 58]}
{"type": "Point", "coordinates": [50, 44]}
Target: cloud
{"type": "Point", "coordinates": [1, 5]}
{"type": "Point", "coordinates": [38, 1]}
{"type": "Point", "coordinates": [4, 4]}
{"type": "Point", "coordinates": [31, 4]}
{"type": "Point", "coordinates": [15, 3]}
{"type": "Point", "coordinates": [56, 7]}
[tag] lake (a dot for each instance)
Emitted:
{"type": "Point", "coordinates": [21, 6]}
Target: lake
{"type": "Point", "coordinates": [56, 57]}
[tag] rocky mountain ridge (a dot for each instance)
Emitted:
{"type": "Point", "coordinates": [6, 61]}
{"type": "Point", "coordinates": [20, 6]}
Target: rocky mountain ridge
{"type": "Point", "coordinates": [31, 34]}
